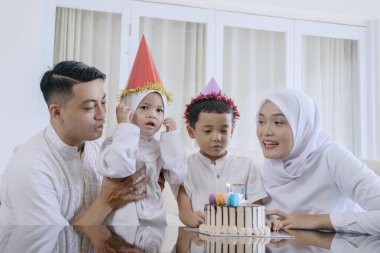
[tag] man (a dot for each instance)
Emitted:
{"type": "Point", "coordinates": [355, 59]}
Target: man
{"type": "Point", "coordinates": [51, 178]}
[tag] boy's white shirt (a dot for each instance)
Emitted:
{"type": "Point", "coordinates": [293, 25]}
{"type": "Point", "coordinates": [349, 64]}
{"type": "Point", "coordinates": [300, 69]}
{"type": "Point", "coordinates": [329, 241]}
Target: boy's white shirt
{"type": "Point", "coordinates": [117, 159]}
{"type": "Point", "coordinates": [202, 180]}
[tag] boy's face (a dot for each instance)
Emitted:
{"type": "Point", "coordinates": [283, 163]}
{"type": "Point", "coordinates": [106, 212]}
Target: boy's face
{"type": "Point", "coordinates": [82, 116]}
{"type": "Point", "coordinates": [149, 115]}
{"type": "Point", "coordinates": [212, 132]}
{"type": "Point", "coordinates": [274, 132]}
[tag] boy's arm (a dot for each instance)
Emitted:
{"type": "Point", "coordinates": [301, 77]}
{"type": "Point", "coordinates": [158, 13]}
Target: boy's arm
{"type": "Point", "coordinates": [186, 214]}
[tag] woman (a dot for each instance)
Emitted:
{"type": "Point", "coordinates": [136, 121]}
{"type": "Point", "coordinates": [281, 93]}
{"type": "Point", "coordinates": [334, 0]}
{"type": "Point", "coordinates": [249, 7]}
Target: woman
{"type": "Point", "coordinates": [312, 182]}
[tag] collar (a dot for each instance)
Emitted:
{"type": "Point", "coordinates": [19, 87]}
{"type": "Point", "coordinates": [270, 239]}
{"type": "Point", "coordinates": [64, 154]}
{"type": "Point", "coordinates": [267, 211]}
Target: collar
{"type": "Point", "coordinates": [62, 147]}
{"type": "Point", "coordinates": [208, 162]}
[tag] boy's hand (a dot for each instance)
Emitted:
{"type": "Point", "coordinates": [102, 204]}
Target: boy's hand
{"type": "Point", "coordinates": [197, 218]}
{"type": "Point", "coordinates": [123, 113]}
{"type": "Point", "coordinates": [170, 125]}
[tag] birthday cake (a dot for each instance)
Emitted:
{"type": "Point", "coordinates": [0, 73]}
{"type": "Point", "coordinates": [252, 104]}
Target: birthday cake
{"type": "Point", "coordinates": [234, 244]}
{"type": "Point", "coordinates": [228, 216]}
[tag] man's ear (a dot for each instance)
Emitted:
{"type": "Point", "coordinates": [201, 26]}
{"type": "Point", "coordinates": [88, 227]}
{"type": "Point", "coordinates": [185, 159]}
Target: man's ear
{"type": "Point", "coordinates": [190, 131]}
{"type": "Point", "coordinates": [55, 112]}
{"type": "Point", "coordinates": [232, 130]}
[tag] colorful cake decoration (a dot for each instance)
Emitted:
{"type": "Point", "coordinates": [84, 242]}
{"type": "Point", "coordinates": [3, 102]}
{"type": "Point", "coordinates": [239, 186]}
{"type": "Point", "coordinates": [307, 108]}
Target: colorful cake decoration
{"type": "Point", "coordinates": [144, 75]}
{"type": "Point", "coordinates": [212, 91]}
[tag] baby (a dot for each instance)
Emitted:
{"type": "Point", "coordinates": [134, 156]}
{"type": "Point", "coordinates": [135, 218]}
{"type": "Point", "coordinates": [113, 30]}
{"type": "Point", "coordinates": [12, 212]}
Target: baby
{"type": "Point", "coordinates": [140, 116]}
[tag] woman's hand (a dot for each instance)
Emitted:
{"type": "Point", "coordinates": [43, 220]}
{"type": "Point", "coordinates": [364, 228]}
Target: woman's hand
{"type": "Point", "coordinates": [117, 193]}
{"type": "Point", "coordinates": [302, 221]}
{"type": "Point", "coordinates": [274, 225]}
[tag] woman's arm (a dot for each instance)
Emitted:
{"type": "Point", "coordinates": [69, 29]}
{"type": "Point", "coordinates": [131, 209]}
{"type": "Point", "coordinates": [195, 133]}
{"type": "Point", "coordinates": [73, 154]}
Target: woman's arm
{"type": "Point", "coordinates": [303, 221]}
{"type": "Point", "coordinates": [356, 181]}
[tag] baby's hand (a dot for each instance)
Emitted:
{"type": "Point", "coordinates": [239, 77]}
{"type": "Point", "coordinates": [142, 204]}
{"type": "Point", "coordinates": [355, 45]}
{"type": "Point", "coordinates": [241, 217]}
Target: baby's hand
{"type": "Point", "coordinates": [123, 113]}
{"type": "Point", "coordinates": [170, 125]}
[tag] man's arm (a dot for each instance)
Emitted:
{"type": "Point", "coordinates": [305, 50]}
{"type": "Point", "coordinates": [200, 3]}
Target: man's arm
{"type": "Point", "coordinates": [113, 195]}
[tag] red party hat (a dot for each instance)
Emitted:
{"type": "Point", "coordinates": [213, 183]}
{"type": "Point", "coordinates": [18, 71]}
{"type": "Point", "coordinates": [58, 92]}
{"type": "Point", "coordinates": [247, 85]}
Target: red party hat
{"type": "Point", "coordinates": [144, 74]}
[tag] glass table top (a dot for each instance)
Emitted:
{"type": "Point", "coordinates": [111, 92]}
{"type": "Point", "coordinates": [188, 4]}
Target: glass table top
{"type": "Point", "coordinates": [16, 239]}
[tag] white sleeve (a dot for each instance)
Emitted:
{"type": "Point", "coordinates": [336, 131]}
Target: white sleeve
{"type": "Point", "coordinates": [174, 157]}
{"type": "Point", "coordinates": [117, 156]}
{"type": "Point", "coordinates": [32, 195]}
{"type": "Point", "coordinates": [255, 187]}
{"type": "Point", "coordinates": [362, 185]}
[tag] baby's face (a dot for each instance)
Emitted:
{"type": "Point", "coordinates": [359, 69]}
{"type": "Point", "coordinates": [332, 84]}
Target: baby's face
{"type": "Point", "coordinates": [149, 115]}
{"type": "Point", "coordinates": [212, 132]}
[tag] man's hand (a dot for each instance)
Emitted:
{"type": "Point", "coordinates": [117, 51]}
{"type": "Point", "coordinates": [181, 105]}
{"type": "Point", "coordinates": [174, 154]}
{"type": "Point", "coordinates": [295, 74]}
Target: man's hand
{"type": "Point", "coordinates": [123, 113]}
{"type": "Point", "coordinates": [115, 244]}
{"type": "Point", "coordinates": [274, 225]}
{"type": "Point", "coordinates": [170, 125]}
{"type": "Point", "coordinates": [117, 193]}
{"type": "Point", "coordinates": [161, 180]}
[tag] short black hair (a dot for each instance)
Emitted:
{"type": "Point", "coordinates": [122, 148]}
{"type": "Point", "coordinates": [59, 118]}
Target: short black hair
{"type": "Point", "coordinates": [59, 81]}
{"type": "Point", "coordinates": [211, 105]}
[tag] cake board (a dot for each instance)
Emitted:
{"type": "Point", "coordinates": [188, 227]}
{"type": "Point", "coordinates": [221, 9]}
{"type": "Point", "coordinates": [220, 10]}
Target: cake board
{"type": "Point", "coordinates": [273, 235]}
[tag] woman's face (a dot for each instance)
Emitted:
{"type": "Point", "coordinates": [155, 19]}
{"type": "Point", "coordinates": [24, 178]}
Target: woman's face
{"type": "Point", "coordinates": [274, 132]}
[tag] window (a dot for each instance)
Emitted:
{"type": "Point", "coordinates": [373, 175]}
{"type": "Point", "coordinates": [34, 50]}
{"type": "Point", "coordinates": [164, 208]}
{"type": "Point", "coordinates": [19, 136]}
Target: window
{"type": "Point", "coordinates": [249, 56]}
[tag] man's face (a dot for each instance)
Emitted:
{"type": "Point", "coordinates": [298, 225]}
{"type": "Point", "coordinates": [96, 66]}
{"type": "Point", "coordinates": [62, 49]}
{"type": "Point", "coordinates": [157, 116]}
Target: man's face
{"type": "Point", "coordinates": [149, 115]}
{"type": "Point", "coordinates": [82, 117]}
{"type": "Point", "coordinates": [212, 132]}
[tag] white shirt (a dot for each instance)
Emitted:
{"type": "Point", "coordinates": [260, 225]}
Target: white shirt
{"type": "Point", "coordinates": [48, 182]}
{"type": "Point", "coordinates": [333, 185]}
{"type": "Point", "coordinates": [206, 177]}
{"type": "Point", "coordinates": [118, 157]}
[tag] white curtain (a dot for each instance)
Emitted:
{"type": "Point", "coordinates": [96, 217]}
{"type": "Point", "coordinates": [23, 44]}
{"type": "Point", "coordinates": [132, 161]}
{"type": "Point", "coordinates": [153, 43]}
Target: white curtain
{"type": "Point", "coordinates": [253, 65]}
{"type": "Point", "coordinates": [331, 79]}
{"type": "Point", "coordinates": [178, 50]}
{"type": "Point", "coordinates": [93, 38]}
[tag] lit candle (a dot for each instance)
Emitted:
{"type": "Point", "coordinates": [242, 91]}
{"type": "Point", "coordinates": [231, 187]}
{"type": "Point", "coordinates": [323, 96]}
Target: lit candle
{"type": "Point", "coordinates": [228, 188]}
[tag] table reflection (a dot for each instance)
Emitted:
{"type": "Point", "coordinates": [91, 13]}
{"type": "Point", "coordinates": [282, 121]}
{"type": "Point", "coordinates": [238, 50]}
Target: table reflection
{"type": "Point", "coordinates": [16, 239]}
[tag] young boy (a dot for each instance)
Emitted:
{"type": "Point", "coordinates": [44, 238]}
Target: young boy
{"type": "Point", "coordinates": [210, 119]}
{"type": "Point", "coordinates": [140, 115]}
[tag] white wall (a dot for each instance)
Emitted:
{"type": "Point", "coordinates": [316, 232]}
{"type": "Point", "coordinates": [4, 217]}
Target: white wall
{"type": "Point", "coordinates": [22, 25]}
{"type": "Point", "coordinates": [19, 63]}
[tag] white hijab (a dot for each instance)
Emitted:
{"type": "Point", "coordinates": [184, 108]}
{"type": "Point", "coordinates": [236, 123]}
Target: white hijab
{"type": "Point", "coordinates": [308, 138]}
